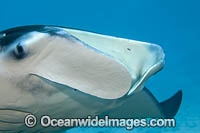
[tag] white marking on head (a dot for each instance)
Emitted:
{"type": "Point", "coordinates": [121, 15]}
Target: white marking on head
{"type": "Point", "coordinates": [28, 39]}
{"type": "Point", "coordinates": [2, 35]}
{"type": "Point", "coordinates": [31, 37]}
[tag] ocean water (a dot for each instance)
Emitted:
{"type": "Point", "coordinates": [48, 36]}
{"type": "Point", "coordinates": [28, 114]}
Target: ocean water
{"type": "Point", "coordinates": [174, 25]}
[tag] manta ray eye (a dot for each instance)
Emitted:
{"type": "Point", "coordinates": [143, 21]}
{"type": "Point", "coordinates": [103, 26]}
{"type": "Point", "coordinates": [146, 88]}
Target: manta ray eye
{"type": "Point", "coordinates": [19, 51]}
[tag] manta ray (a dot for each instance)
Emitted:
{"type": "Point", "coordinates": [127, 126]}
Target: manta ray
{"type": "Point", "coordinates": [69, 73]}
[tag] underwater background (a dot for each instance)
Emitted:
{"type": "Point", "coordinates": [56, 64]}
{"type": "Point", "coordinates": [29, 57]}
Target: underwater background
{"type": "Point", "coordinates": [173, 24]}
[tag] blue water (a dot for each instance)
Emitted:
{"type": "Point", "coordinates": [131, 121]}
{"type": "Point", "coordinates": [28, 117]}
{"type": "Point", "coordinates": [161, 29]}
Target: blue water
{"type": "Point", "coordinates": [175, 25]}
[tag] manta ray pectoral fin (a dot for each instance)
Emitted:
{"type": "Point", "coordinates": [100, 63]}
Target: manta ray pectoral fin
{"type": "Point", "coordinates": [144, 105]}
{"type": "Point", "coordinates": [170, 106]}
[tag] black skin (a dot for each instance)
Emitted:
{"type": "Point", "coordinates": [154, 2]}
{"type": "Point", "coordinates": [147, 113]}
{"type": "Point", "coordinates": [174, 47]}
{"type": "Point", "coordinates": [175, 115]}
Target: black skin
{"type": "Point", "coordinates": [12, 34]}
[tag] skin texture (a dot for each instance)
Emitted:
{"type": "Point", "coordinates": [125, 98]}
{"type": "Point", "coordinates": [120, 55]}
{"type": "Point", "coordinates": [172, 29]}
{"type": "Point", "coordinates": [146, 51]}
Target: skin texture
{"type": "Point", "coordinates": [55, 71]}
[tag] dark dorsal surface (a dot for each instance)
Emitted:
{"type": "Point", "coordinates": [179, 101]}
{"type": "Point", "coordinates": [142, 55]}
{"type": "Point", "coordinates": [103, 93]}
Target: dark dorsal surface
{"type": "Point", "coordinates": [7, 37]}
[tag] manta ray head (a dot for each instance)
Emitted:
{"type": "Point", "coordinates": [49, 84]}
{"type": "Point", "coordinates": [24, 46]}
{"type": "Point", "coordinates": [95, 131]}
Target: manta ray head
{"type": "Point", "coordinates": [35, 59]}
{"type": "Point", "coordinates": [47, 70]}
{"type": "Point", "coordinates": [22, 91]}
